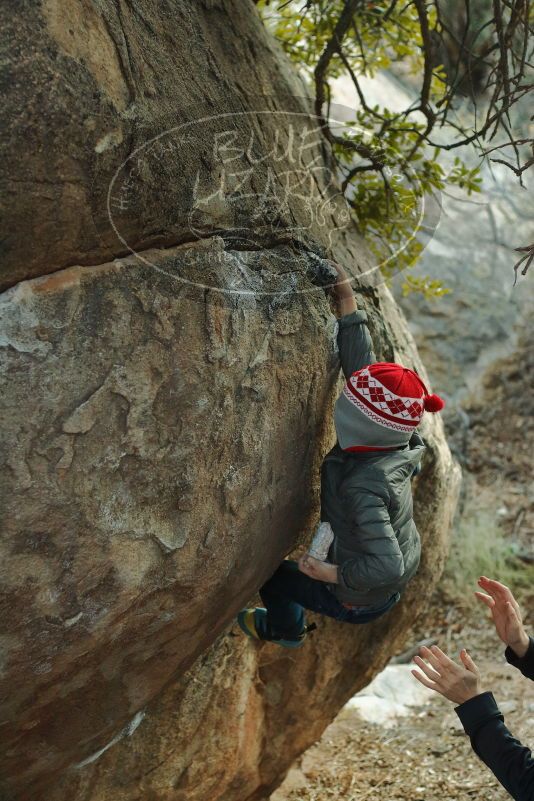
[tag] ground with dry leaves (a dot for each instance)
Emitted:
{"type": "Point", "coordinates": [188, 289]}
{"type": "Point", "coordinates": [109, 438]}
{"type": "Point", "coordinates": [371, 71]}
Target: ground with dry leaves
{"type": "Point", "coordinates": [424, 756]}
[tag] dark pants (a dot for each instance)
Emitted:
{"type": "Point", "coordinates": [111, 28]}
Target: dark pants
{"type": "Point", "coordinates": [288, 592]}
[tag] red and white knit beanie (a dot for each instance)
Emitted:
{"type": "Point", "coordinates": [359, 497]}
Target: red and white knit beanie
{"type": "Point", "coordinates": [381, 406]}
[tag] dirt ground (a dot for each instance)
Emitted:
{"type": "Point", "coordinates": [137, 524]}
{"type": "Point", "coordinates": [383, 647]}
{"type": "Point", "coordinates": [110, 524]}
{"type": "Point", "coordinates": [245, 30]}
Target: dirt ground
{"type": "Point", "coordinates": [424, 756]}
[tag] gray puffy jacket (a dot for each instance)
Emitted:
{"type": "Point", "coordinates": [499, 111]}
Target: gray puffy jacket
{"type": "Point", "coordinates": [367, 499]}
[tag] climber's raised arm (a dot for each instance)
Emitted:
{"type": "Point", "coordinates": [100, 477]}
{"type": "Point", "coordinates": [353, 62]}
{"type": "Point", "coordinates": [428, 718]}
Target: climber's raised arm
{"type": "Point", "coordinates": [367, 547]}
{"type": "Point", "coordinates": [353, 339]}
{"type": "Point", "coordinates": [342, 293]}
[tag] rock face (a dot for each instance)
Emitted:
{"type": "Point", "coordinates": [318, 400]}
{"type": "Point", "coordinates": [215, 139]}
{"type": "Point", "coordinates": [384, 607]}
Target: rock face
{"type": "Point", "coordinates": [147, 115]}
{"type": "Point", "coordinates": [167, 408]}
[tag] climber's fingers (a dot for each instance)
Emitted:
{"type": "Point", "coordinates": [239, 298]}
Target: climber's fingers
{"type": "Point", "coordinates": [306, 566]}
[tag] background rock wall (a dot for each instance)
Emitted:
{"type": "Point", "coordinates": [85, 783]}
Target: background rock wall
{"type": "Point", "coordinates": [476, 343]}
{"type": "Point", "coordinates": [167, 412]}
{"type": "Point", "coordinates": [479, 321]}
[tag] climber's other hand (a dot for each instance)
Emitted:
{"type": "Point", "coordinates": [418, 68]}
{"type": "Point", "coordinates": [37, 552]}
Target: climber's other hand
{"type": "Point", "coordinates": [314, 568]}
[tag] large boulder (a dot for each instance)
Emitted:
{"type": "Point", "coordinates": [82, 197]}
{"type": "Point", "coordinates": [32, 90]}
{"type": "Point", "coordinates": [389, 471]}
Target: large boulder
{"type": "Point", "coordinates": [166, 408]}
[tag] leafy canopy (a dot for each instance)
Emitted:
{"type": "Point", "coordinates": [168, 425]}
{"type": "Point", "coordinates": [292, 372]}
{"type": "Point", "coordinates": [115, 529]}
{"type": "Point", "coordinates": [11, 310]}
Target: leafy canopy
{"type": "Point", "coordinates": [389, 165]}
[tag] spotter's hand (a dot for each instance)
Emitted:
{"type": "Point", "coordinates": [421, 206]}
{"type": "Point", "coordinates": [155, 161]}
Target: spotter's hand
{"type": "Point", "coordinates": [457, 683]}
{"type": "Point", "coordinates": [505, 613]}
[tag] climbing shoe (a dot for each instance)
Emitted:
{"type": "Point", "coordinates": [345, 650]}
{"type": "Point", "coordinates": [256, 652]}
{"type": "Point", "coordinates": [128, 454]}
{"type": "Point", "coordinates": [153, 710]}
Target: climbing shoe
{"type": "Point", "coordinates": [247, 623]}
{"type": "Point", "coordinates": [253, 623]}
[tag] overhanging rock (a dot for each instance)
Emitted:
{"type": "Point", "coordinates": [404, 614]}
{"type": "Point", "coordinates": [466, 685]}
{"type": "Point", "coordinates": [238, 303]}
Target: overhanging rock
{"type": "Point", "coordinates": [166, 411]}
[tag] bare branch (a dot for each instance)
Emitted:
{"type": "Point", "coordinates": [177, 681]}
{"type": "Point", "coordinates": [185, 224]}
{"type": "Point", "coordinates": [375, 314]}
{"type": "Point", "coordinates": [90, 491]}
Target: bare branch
{"type": "Point", "coordinates": [518, 170]}
{"type": "Point", "coordinates": [528, 257]}
{"type": "Point", "coordinates": [334, 46]}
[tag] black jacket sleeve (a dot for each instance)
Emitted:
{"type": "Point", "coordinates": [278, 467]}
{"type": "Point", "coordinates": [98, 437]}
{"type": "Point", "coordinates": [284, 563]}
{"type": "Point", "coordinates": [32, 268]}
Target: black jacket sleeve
{"type": "Point", "coordinates": [354, 342]}
{"type": "Point", "coordinates": [511, 762]}
{"type": "Point", "coordinates": [525, 663]}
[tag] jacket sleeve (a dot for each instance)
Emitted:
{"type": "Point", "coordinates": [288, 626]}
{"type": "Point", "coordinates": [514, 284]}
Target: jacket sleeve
{"type": "Point", "coordinates": [526, 663]}
{"type": "Point", "coordinates": [510, 761]}
{"type": "Point", "coordinates": [354, 342]}
{"type": "Point", "coordinates": [378, 559]}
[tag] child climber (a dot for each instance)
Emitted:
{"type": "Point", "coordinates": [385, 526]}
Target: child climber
{"type": "Point", "coordinates": [367, 542]}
